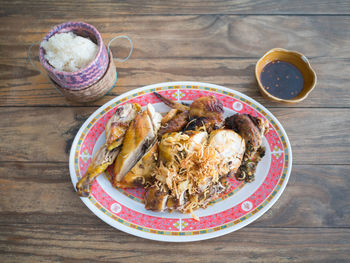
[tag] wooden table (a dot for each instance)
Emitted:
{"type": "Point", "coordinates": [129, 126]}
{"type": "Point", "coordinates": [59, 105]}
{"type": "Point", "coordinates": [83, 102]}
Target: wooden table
{"type": "Point", "coordinates": [41, 217]}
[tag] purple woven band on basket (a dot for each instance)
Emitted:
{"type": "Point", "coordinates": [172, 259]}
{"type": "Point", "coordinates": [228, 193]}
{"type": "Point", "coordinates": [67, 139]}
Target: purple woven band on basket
{"type": "Point", "coordinates": [86, 76]}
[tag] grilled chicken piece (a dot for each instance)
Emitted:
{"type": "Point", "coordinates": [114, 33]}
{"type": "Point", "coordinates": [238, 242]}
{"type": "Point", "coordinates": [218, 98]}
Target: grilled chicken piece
{"type": "Point", "coordinates": [213, 192]}
{"type": "Point", "coordinates": [252, 129]}
{"type": "Point", "coordinates": [177, 203]}
{"type": "Point", "coordinates": [230, 146]}
{"type": "Point", "coordinates": [171, 103]}
{"type": "Point", "coordinates": [201, 123]}
{"type": "Point", "coordinates": [155, 198]}
{"type": "Point", "coordinates": [170, 115]}
{"type": "Point", "coordinates": [207, 111]}
{"type": "Point", "coordinates": [176, 119]}
{"type": "Point", "coordinates": [177, 123]}
{"type": "Point", "coordinates": [141, 173]}
{"type": "Point", "coordinates": [102, 159]}
{"type": "Point", "coordinates": [178, 143]}
{"type": "Point", "coordinates": [170, 145]}
{"type": "Point", "coordinates": [155, 117]}
{"type": "Point", "coordinates": [140, 133]}
{"type": "Point", "coordinates": [119, 123]}
{"type": "Point", "coordinates": [209, 107]}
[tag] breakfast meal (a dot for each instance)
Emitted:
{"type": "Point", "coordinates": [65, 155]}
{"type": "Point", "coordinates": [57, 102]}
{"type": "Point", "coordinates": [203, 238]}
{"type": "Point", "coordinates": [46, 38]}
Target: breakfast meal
{"type": "Point", "coordinates": [69, 52]}
{"type": "Point", "coordinates": [182, 158]}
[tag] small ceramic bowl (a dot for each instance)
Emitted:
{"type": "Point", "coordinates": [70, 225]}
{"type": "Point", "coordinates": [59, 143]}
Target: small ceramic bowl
{"type": "Point", "coordinates": [295, 58]}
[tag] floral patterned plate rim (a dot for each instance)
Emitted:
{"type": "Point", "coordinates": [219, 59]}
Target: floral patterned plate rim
{"type": "Point", "coordinates": [239, 206]}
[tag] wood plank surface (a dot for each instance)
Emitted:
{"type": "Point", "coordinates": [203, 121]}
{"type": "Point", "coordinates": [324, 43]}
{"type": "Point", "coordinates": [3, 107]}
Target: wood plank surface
{"type": "Point", "coordinates": [205, 36]}
{"type": "Point", "coordinates": [79, 243]}
{"type": "Point", "coordinates": [45, 134]}
{"type": "Point", "coordinates": [45, 195]}
{"type": "Point", "coordinates": [70, 9]}
{"type": "Point", "coordinates": [41, 217]}
{"type": "Point", "coordinates": [33, 89]}
{"type": "Point", "coordinates": [213, 49]}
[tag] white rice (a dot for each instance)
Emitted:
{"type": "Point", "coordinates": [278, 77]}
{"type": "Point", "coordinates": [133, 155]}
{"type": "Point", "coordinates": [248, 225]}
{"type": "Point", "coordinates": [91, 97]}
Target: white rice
{"type": "Point", "coordinates": [69, 52]}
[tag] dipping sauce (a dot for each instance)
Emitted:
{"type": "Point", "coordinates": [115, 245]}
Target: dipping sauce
{"type": "Point", "coordinates": [282, 79]}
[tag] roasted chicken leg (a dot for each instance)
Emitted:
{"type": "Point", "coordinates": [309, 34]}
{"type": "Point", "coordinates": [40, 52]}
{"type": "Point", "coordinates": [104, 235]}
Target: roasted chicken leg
{"type": "Point", "coordinates": [101, 160]}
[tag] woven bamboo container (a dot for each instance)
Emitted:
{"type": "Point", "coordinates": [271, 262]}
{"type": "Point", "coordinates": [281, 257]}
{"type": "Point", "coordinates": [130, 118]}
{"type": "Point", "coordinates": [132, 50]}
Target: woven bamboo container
{"type": "Point", "coordinates": [91, 82]}
{"type": "Point", "coordinates": [94, 91]}
{"type": "Point", "coordinates": [86, 76]}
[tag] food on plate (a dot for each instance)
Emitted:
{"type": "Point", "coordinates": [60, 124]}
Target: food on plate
{"type": "Point", "coordinates": [192, 169]}
{"type": "Point", "coordinates": [252, 129]}
{"type": "Point", "coordinates": [175, 123]}
{"type": "Point", "coordinates": [119, 123]}
{"type": "Point", "coordinates": [99, 163]}
{"type": "Point", "coordinates": [171, 103]}
{"type": "Point", "coordinates": [141, 173]}
{"type": "Point", "coordinates": [141, 132]}
{"type": "Point", "coordinates": [115, 131]}
{"type": "Point", "coordinates": [173, 145]}
{"type": "Point", "coordinates": [169, 116]}
{"type": "Point", "coordinates": [183, 158]}
{"type": "Point", "coordinates": [205, 111]}
{"type": "Point", "coordinates": [69, 52]}
{"type": "Point", "coordinates": [230, 146]}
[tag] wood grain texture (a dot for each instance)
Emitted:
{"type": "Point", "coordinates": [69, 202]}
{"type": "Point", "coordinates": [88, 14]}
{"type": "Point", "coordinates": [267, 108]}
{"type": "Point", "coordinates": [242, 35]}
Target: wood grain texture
{"type": "Point", "coordinates": [41, 217]}
{"type": "Point", "coordinates": [205, 36]}
{"type": "Point", "coordinates": [42, 194]}
{"type": "Point", "coordinates": [32, 89]}
{"type": "Point", "coordinates": [216, 49]}
{"type": "Point", "coordinates": [79, 243]}
{"type": "Point", "coordinates": [41, 134]}
{"type": "Point", "coordinates": [317, 135]}
{"type": "Point", "coordinates": [70, 9]}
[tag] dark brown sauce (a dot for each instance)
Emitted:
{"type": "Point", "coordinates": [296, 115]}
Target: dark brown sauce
{"type": "Point", "coordinates": [282, 79]}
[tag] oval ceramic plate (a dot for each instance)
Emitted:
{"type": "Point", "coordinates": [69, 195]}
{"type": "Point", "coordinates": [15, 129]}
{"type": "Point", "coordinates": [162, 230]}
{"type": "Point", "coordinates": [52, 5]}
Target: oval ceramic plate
{"type": "Point", "coordinates": [240, 205]}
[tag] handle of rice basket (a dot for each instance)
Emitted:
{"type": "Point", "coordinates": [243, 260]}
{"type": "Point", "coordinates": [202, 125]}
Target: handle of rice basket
{"type": "Point", "coordinates": [131, 47]}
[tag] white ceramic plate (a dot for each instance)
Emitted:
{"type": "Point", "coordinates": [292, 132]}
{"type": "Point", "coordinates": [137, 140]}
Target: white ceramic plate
{"type": "Point", "coordinates": [241, 205]}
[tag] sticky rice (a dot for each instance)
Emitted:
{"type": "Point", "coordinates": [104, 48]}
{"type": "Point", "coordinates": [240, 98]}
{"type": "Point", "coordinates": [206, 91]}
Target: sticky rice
{"type": "Point", "coordinates": [69, 52]}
